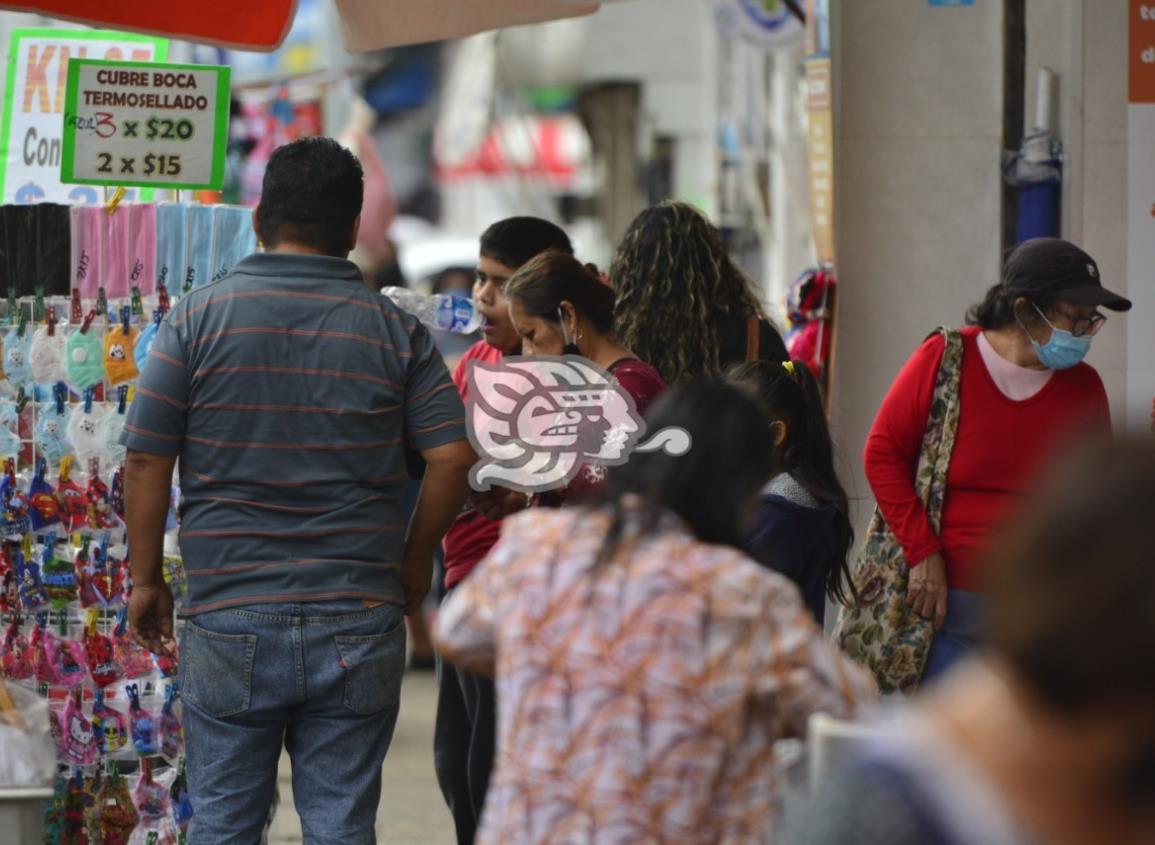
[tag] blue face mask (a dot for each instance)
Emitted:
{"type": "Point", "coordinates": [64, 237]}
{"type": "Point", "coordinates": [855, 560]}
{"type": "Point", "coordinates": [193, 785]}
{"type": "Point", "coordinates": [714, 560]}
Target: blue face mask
{"type": "Point", "coordinates": [1063, 350]}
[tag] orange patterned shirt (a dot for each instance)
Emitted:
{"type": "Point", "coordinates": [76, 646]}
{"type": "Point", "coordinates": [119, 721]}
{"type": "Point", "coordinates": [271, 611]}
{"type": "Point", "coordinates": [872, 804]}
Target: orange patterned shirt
{"type": "Point", "coordinates": [638, 700]}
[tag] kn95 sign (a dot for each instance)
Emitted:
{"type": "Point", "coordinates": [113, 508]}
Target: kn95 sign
{"type": "Point", "coordinates": [135, 123]}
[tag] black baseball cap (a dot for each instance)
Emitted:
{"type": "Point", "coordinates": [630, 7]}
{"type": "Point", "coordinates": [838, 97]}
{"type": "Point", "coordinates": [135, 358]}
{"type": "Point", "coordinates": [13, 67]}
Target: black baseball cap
{"type": "Point", "coordinates": [1057, 269]}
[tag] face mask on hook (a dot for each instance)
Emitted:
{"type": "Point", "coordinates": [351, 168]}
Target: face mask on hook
{"type": "Point", "coordinates": [571, 347]}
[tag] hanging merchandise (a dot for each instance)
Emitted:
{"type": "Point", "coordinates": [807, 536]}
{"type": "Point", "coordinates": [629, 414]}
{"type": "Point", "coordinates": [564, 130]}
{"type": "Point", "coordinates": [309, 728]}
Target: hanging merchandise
{"type": "Point", "coordinates": [142, 247]}
{"type": "Point", "coordinates": [181, 805]}
{"type": "Point", "coordinates": [9, 428]}
{"type": "Point", "coordinates": [134, 661]}
{"type": "Point", "coordinates": [118, 818]}
{"type": "Point", "coordinates": [198, 243]}
{"type": "Point", "coordinates": [233, 238]}
{"type": "Point", "coordinates": [78, 740]}
{"type": "Point", "coordinates": [171, 219]}
{"type": "Point", "coordinates": [72, 500]}
{"type": "Point", "coordinates": [17, 346]}
{"type": "Point", "coordinates": [46, 357]}
{"type": "Point", "coordinates": [85, 365]}
{"type": "Point", "coordinates": [44, 507]}
{"type": "Point", "coordinates": [99, 653]}
{"type": "Point", "coordinates": [119, 349]}
{"type": "Point", "coordinates": [810, 305]}
{"type": "Point", "coordinates": [107, 576]}
{"type": "Point", "coordinates": [109, 725]}
{"type": "Point", "coordinates": [52, 430]}
{"type": "Point", "coordinates": [147, 338]}
{"type": "Point", "coordinates": [32, 595]}
{"type": "Point", "coordinates": [100, 513]}
{"type": "Point", "coordinates": [144, 737]}
{"type": "Point", "coordinates": [59, 576]}
{"type": "Point", "coordinates": [86, 430]}
{"type": "Point", "coordinates": [87, 249]}
{"type": "Point", "coordinates": [171, 733]}
{"type": "Point", "coordinates": [16, 656]}
{"type": "Point", "coordinates": [114, 427]}
{"type": "Point", "coordinates": [61, 662]}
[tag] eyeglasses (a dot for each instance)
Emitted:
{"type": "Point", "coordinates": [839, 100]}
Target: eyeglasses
{"type": "Point", "coordinates": [1083, 326]}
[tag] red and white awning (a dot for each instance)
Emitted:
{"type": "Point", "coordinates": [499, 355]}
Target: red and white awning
{"type": "Point", "coordinates": [556, 148]}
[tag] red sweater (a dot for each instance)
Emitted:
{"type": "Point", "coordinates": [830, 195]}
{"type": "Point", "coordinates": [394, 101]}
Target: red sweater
{"type": "Point", "coordinates": [472, 535]}
{"type": "Point", "coordinates": [1002, 448]}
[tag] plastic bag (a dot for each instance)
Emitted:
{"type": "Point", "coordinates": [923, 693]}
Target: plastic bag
{"type": "Point", "coordinates": [144, 737]}
{"type": "Point", "coordinates": [109, 726]}
{"type": "Point", "coordinates": [134, 661]}
{"type": "Point", "coordinates": [118, 816]}
{"type": "Point", "coordinates": [15, 657]}
{"type": "Point", "coordinates": [77, 740]}
{"type": "Point", "coordinates": [100, 654]}
{"type": "Point", "coordinates": [27, 752]}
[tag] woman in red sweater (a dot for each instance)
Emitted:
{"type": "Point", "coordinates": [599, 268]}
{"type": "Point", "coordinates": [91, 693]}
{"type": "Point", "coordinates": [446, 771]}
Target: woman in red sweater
{"type": "Point", "coordinates": [1026, 395]}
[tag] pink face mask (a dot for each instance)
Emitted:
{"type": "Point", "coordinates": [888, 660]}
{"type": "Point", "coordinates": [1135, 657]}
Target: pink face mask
{"type": "Point", "coordinates": [62, 662]}
{"type": "Point", "coordinates": [134, 661]}
{"type": "Point", "coordinates": [77, 740]}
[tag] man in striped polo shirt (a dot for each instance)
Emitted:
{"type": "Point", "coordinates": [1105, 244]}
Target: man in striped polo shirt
{"type": "Point", "coordinates": [288, 390]}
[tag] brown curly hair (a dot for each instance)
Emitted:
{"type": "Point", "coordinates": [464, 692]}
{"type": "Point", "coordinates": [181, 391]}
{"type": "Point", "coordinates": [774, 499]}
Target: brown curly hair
{"type": "Point", "coordinates": [674, 278]}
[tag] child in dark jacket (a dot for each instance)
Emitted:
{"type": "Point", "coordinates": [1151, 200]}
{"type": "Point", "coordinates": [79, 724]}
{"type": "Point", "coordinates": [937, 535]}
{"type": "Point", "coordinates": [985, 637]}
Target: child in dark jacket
{"type": "Point", "coordinates": [802, 527]}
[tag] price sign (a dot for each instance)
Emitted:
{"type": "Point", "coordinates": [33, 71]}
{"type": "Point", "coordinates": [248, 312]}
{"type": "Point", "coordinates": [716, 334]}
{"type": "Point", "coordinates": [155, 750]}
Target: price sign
{"type": "Point", "coordinates": [136, 123]}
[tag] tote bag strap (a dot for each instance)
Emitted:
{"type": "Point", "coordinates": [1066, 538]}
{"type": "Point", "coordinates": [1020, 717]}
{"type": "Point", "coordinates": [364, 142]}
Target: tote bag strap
{"type": "Point", "coordinates": [941, 427]}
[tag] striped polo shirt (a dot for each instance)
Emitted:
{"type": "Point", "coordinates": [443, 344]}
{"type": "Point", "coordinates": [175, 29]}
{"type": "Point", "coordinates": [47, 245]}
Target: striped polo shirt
{"type": "Point", "coordinates": [287, 390]}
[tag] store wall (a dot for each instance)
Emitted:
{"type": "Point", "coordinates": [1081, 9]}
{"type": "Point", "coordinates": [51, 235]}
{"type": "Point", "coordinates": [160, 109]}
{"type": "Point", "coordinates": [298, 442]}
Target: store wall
{"type": "Point", "coordinates": [918, 121]}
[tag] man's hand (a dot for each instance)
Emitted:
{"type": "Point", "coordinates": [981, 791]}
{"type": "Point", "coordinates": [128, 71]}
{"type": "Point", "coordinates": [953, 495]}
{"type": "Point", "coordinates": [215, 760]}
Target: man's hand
{"type": "Point", "coordinates": [926, 592]}
{"type": "Point", "coordinates": [150, 617]}
{"type": "Point", "coordinates": [498, 502]}
{"type": "Point", "coordinates": [416, 579]}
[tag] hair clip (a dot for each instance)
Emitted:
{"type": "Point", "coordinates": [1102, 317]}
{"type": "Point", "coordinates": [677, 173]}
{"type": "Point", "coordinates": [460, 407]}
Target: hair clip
{"type": "Point", "coordinates": [788, 366]}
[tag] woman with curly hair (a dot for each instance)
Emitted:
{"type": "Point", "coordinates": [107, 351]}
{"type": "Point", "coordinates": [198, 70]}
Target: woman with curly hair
{"type": "Point", "coordinates": [683, 305]}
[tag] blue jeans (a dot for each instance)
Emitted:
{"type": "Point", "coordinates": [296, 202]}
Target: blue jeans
{"type": "Point", "coordinates": [962, 631]}
{"type": "Point", "coordinates": [320, 680]}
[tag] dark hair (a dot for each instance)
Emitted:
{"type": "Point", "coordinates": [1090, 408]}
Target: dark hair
{"type": "Point", "coordinates": [674, 277]}
{"type": "Point", "coordinates": [545, 282]}
{"type": "Point", "coordinates": [997, 310]}
{"type": "Point", "coordinates": [711, 486]}
{"type": "Point", "coordinates": [1073, 599]}
{"type": "Point", "coordinates": [792, 395]}
{"type": "Point", "coordinates": [516, 240]}
{"type": "Point", "coordinates": [312, 194]}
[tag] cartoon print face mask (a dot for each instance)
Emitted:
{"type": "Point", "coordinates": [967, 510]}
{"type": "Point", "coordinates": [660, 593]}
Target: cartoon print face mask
{"type": "Point", "coordinates": [77, 741]}
{"type": "Point", "coordinates": [52, 433]}
{"type": "Point", "coordinates": [134, 661]}
{"type": "Point", "coordinates": [62, 662]}
{"type": "Point", "coordinates": [74, 505]}
{"type": "Point", "coordinates": [99, 654]}
{"type": "Point", "coordinates": [144, 737]}
{"type": "Point", "coordinates": [119, 357]}
{"type": "Point", "coordinates": [44, 507]}
{"type": "Point", "coordinates": [14, 659]}
{"type": "Point", "coordinates": [17, 345]}
{"type": "Point", "coordinates": [59, 576]}
{"type": "Point", "coordinates": [108, 725]}
{"type": "Point", "coordinates": [86, 432]}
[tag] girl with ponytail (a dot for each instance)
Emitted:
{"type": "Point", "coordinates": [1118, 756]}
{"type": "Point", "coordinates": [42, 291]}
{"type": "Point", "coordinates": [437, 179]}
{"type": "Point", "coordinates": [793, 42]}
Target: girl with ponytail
{"type": "Point", "coordinates": [802, 528]}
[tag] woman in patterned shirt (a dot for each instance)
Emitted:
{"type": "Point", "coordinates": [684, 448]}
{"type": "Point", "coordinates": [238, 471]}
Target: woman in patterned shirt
{"type": "Point", "coordinates": [645, 666]}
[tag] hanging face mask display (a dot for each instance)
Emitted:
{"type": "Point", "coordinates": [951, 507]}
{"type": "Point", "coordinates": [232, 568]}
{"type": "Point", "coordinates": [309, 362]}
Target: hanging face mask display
{"type": "Point", "coordinates": [62, 663]}
{"type": "Point", "coordinates": [32, 595]}
{"type": "Point", "coordinates": [85, 356]}
{"type": "Point", "coordinates": [1063, 350]}
{"type": "Point", "coordinates": [17, 346]}
{"type": "Point", "coordinates": [48, 353]}
{"type": "Point", "coordinates": [9, 430]}
{"type": "Point", "coordinates": [119, 350]}
{"type": "Point", "coordinates": [100, 513]}
{"type": "Point", "coordinates": [73, 504]}
{"type": "Point", "coordinates": [44, 506]}
{"type": "Point", "coordinates": [15, 656]}
{"type": "Point", "coordinates": [134, 661]}
{"type": "Point", "coordinates": [144, 737]}
{"type": "Point", "coordinates": [114, 428]}
{"type": "Point", "coordinates": [99, 654]}
{"type": "Point", "coordinates": [78, 742]}
{"type": "Point", "coordinates": [59, 576]}
{"type": "Point", "coordinates": [147, 338]}
{"type": "Point", "coordinates": [118, 816]}
{"type": "Point", "coordinates": [52, 430]}
{"type": "Point", "coordinates": [86, 430]}
{"type": "Point", "coordinates": [171, 734]}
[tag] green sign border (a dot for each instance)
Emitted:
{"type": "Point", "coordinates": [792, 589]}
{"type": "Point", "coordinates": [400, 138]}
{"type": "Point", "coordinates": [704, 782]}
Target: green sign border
{"type": "Point", "coordinates": [220, 135]}
{"type": "Point", "coordinates": [160, 46]}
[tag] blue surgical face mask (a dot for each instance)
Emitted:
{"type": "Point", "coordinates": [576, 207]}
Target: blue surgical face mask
{"type": "Point", "coordinates": [1063, 350]}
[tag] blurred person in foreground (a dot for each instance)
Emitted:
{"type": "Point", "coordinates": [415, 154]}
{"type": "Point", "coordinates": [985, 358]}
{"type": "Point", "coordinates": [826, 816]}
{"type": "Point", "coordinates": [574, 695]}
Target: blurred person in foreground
{"type": "Point", "coordinates": [1048, 734]}
{"type": "Point", "coordinates": [287, 390]}
{"type": "Point", "coordinates": [645, 665]}
{"type": "Point", "coordinates": [683, 304]}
